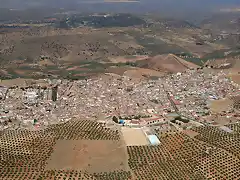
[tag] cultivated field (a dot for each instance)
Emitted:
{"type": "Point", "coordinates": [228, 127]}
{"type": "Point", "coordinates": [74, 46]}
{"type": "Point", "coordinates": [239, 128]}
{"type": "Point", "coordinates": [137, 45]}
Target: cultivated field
{"type": "Point", "coordinates": [75, 149]}
{"type": "Point", "coordinates": [182, 157]}
{"type": "Point", "coordinates": [88, 155]}
{"type": "Point", "coordinates": [134, 137]}
{"type": "Point", "coordinates": [86, 150]}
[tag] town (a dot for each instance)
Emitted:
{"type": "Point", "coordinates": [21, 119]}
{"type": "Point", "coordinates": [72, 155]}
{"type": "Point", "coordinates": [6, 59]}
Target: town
{"type": "Point", "coordinates": [175, 102]}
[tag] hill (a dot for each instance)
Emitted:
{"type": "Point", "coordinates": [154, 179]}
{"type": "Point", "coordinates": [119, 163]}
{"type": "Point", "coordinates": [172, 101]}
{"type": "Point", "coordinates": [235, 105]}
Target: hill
{"type": "Point", "coordinates": [79, 45]}
{"type": "Point", "coordinates": [168, 63]}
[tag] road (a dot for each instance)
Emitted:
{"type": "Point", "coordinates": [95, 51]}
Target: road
{"type": "Point", "coordinates": [175, 107]}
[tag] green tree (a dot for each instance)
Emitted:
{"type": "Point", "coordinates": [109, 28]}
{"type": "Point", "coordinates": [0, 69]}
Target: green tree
{"type": "Point", "coordinates": [115, 119]}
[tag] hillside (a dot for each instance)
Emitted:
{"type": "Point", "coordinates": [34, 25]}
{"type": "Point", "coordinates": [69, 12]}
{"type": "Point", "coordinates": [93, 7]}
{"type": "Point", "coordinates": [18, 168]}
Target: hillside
{"type": "Point", "coordinates": [168, 63]}
{"type": "Point", "coordinates": [79, 45]}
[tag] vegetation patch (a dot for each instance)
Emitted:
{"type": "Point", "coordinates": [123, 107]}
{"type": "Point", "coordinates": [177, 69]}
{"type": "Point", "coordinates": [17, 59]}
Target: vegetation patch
{"type": "Point", "coordinates": [116, 20]}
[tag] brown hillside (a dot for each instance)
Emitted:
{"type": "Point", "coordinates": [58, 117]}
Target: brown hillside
{"type": "Point", "coordinates": [169, 63]}
{"type": "Point", "coordinates": [225, 63]}
{"type": "Point", "coordinates": [142, 73]}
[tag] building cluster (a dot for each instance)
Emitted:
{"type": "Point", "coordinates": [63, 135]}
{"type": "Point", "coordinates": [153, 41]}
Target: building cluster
{"type": "Point", "coordinates": [147, 102]}
{"type": "Point", "coordinates": [193, 91]}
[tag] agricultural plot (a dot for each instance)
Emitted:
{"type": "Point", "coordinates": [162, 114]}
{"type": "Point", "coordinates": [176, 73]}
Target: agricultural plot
{"type": "Point", "coordinates": [68, 174]}
{"type": "Point", "coordinates": [134, 137]}
{"type": "Point", "coordinates": [156, 162]}
{"type": "Point", "coordinates": [236, 102]}
{"type": "Point", "coordinates": [88, 155]}
{"type": "Point", "coordinates": [32, 154]}
{"type": "Point", "coordinates": [235, 127]}
{"type": "Point", "coordinates": [83, 129]}
{"type": "Point", "coordinates": [181, 157]}
{"type": "Point", "coordinates": [86, 150]}
{"type": "Point", "coordinates": [220, 105]}
{"type": "Point", "coordinates": [220, 138]}
{"type": "Point", "coordinates": [24, 153]}
{"type": "Point", "coordinates": [157, 46]}
{"type": "Point", "coordinates": [82, 175]}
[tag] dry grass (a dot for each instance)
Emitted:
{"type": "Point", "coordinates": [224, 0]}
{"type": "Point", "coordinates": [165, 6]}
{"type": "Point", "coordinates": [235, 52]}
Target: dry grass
{"type": "Point", "coordinates": [236, 78]}
{"type": "Point", "coordinates": [218, 106]}
{"type": "Point", "coordinates": [134, 137]}
{"type": "Point", "coordinates": [13, 82]}
{"type": "Point", "coordinates": [190, 133]}
{"type": "Point", "coordinates": [142, 73]}
{"type": "Point", "coordinates": [45, 63]}
{"type": "Point", "coordinates": [123, 59]}
{"type": "Point", "coordinates": [169, 63]}
{"type": "Point", "coordinates": [88, 155]}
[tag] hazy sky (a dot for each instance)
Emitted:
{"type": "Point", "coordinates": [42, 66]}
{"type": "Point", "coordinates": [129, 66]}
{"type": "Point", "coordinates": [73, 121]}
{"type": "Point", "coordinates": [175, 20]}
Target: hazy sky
{"type": "Point", "coordinates": [145, 5]}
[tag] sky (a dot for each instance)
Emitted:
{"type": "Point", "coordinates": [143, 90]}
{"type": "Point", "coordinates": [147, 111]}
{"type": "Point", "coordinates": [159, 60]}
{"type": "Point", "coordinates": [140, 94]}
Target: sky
{"type": "Point", "coordinates": [141, 6]}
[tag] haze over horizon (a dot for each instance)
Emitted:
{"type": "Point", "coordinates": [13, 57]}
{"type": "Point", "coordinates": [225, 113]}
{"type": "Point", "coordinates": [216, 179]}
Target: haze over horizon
{"type": "Point", "coordinates": [148, 4]}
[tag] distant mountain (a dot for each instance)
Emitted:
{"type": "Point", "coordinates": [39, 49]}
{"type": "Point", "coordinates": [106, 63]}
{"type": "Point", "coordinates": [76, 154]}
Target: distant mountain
{"type": "Point", "coordinates": [191, 10]}
{"type": "Point", "coordinates": [148, 4]}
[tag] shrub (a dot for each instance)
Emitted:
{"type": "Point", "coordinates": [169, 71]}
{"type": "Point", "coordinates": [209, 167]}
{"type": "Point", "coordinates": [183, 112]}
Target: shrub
{"type": "Point", "coordinates": [115, 119]}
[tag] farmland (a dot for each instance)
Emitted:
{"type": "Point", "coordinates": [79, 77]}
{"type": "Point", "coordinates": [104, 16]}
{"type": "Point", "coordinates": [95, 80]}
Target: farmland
{"type": "Point", "coordinates": [29, 153]}
{"type": "Point", "coordinates": [55, 46]}
{"type": "Point", "coordinates": [36, 154]}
